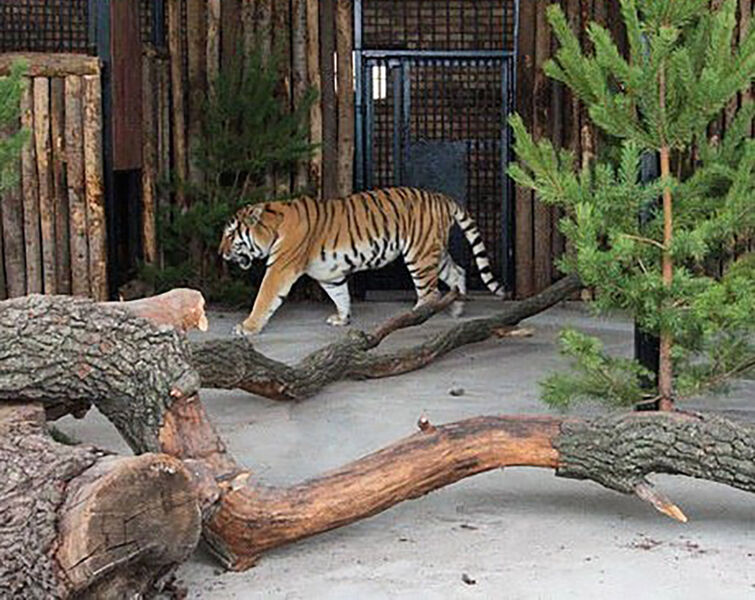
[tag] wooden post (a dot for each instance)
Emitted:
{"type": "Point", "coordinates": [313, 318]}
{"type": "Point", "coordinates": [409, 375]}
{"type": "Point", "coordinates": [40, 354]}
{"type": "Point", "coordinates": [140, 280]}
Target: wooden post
{"type": "Point", "coordinates": [328, 100]}
{"type": "Point", "coordinates": [75, 179]}
{"type": "Point", "coordinates": [230, 26]}
{"type": "Point", "coordinates": [31, 199]}
{"type": "Point", "coordinates": [281, 43]}
{"type": "Point", "coordinates": [3, 286]}
{"type": "Point", "coordinates": [248, 26]}
{"type": "Point", "coordinates": [540, 129]}
{"type": "Point", "coordinates": [43, 151]}
{"type": "Point", "coordinates": [315, 112]}
{"type": "Point", "coordinates": [265, 26]}
{"type": "Point", "coordinates": [299, 74]}
{"type": "Point", "coordinates": [523, 211]}
{"type": "Point", "coordinates": [345, 47]}
{"type": "Point", "coordinates": [60, 193]}
{"type": "Point", "coordinates": [196, 50]}
{"type": "Point", "coordinates": [164, 136]}
{"type": "Point", "coordinates": [149, 159]}
{"type": "Point", "coordinates": [95, 197]}
{"type": "Point", "coordinates": [213, 44]}
{"type": "Point", "coordinates": [175, 46]}
{"type": "Point", "coordinates": [13, 236]}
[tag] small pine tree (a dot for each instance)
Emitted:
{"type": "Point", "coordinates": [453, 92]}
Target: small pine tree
{"type": "Point", "coordinates": [247, 131]}
{"type": "Point", "coordinates": [682, 70]}
{"type": "Point", "coordinates": [13, 138]}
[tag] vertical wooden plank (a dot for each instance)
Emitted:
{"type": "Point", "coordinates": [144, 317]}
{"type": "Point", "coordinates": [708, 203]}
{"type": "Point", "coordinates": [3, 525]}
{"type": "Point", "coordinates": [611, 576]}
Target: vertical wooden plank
{"type": "Point", "coordinates": [299, 75]}
{"type": "Point", "coordinates": [265, 26]}
{"type": "Point", "coordinates": [248, 26]}
{"type": "Point", "coordinates": [213, 44]}
{"type": "Point", "coordinates": [164, 137]}
{"type": "Point", "coordinates": [540, 129]}
{"type": "Point", "coordinates": [523, 211]}
{"type": "Point", "coordinates": [313, 73]}
{"type": "Point", "coordinates": [13, 234]}
{"type": "Point", "coordinates": [3, 285]}
{"type": "Point", "coordinates": [31, 199]}
{"type": "Point", "coordinates": [43, 150]}
{"type": "Point", "coordinates": [281, 40]}
{"type": "Point", "coordinates": [196, 50]}
{"type": "Point", "coordinates": [126, 84]}
{"type": "Point", "coordinates": [94, 190]}
{"type": "Point", "coordinates": [75, 181]}
{"type": "Point", "coordinates": [558, 106]}
{"type": "Point", "coordinates": [60, 193]}
{"type": "Point", "coordinates": [328, 100]}
{"type": "Point", "coordinates": [176, 47]}
{"type": "Point", "coordinates": [344, 48]}
{"type": "Point", "coordinates": [230, 26]}
{"type": "Point", "coordinates": [149, 159]}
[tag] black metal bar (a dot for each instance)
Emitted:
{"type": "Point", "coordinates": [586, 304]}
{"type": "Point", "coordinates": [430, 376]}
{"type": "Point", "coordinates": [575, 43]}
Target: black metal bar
{"type": "Point", "coordinates": [406, 125]}
{"type": "Point", "coordinates": [449, 54]}
{"type": "Point", "coordinates": [369, 123]}
{"type": "Point", "coordinates": [158, 23]}
{"type": "Point", "coordinates": [397, 122]}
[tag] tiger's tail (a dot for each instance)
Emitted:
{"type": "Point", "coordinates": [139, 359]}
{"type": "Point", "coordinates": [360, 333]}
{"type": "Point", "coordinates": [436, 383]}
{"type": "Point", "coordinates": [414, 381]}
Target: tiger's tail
{"type": "Point", "coordinates": [469, 228]}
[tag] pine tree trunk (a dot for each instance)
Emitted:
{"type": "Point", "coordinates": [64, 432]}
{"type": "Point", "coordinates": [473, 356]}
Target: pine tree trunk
{"type": "Point", "coordinates": [665, 367]}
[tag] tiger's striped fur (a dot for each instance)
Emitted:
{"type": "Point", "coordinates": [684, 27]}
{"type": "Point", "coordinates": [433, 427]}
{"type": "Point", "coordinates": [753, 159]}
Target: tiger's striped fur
{"type": "Point", "coordinates": [329, 240]}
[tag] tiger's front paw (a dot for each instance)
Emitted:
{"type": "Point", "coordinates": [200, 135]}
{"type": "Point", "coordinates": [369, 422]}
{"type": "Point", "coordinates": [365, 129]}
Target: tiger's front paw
{"type": "Point", "coordinates": [457, 309]}
{"type": "Point", "coordinates": [338, 321]}
{"type": "Point", "coordinates": [242, 330]}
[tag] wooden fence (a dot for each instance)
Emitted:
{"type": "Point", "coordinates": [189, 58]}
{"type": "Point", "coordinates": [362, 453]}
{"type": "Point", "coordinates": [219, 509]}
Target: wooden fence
{"type": "Point", "coordinates": [53, 221]}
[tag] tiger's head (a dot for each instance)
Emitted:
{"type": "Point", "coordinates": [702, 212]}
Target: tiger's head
{"type": "Point", "coordinates": [248, 235]}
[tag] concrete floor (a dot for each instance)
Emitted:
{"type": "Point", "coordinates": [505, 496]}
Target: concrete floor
{"type": "Point", "coordinates": [519, 534]}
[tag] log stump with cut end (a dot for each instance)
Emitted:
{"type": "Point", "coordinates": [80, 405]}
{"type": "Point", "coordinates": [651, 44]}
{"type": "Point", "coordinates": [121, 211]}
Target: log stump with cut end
{"type": "Point", "coordinates": [76, 522]}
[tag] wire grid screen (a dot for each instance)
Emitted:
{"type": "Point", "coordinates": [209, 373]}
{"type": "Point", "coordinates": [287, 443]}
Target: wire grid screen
{"type": "Point", "coordinates": [438, 24]}
{"type": "Point", "coordinates": [454, 101]}
{"type": "Point", "coordinates": [383, 124]}
{"type": "Point", "coordinates": [462, 100]}
{"type": "Point", "coordinates": [146, 20]}
{"type": "Point", "coordinates": [44, 26]}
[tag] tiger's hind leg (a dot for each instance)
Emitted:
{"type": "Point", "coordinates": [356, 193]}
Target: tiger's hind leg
{"type": "Point", "coordinates": [339, 294]}
{"type": "Point", "coordinates": [454, 277]}
{"type": "Point", "coordinates": [424, 273]}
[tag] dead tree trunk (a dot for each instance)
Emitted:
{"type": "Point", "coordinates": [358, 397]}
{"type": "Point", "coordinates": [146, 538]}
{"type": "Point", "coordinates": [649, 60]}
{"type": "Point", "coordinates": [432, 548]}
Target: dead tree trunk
{"type": "Point", "coordinates": [76, 522]}
{"type": "Point", "coordinates": [141, 378]}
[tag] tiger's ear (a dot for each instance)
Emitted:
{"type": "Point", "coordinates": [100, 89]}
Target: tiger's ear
{"type": "Point", "coordinates": [253, 216]}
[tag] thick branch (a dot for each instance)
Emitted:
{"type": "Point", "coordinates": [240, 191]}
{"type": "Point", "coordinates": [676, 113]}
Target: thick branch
{"type": "Point", "coordinates": [234, 363]}
{"type": "Point", "coordinates": [615, 451]}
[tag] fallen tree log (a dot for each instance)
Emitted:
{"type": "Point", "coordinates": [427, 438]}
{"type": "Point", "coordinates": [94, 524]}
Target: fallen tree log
{"type": "Point", "coordinates": [141, 377]}
{"type": "Point", "coordinates": [235, 364]}
{"type": "Point", "coordinates": [76, 522]}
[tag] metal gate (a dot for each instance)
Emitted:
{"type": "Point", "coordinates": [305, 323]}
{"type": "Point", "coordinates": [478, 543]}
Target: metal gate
{"type": "Point", "coordinates": [436, 118]}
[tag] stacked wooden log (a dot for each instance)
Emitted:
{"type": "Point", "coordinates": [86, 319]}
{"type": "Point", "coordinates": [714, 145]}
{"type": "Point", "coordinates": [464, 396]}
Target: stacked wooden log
{"type": "Point", "coordinates": [54, 237]}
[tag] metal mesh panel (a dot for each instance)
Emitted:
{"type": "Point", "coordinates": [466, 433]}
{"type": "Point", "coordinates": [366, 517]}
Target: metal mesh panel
{"type": "Point", "coordinates": [438, 24]}
{"type": "Point", "coordinates": [458, 101]}
{"type": "Point", "coordinates": [44, 26]}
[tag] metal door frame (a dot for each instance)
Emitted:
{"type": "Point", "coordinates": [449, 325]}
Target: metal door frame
{"type": "Point", "coordinates": [398, 63]}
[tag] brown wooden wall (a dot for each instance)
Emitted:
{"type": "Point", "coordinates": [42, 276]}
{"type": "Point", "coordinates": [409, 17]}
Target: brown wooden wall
{"type": "Point", "coordinates": [53, 222]}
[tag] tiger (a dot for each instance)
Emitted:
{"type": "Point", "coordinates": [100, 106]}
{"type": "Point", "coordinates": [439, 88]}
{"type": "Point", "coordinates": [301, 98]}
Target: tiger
{"type": "Point", "coordinates": [331, 239]}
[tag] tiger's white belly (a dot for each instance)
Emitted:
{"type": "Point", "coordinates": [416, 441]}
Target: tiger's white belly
{"type": "Point", "coordinates": [334, 266]}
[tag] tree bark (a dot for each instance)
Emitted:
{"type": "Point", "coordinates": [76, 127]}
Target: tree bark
{"type": "Point", "coordinates": [234, 363]}
{"type": "Point", "coordinates": [79, 523]}
{"type": "Point", "coordinates": [140, 376]}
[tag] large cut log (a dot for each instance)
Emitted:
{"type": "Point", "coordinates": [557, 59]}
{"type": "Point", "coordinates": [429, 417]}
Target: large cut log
{"type": "Point", "coordinates": [139, 374]}
{"type": "Point", "coordinates": [234, 363]}
{"type": "Point", "coordinates": [79, 523]}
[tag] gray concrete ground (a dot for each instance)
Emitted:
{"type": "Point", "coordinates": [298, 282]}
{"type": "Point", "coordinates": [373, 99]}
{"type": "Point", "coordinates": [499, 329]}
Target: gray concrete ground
{"type": "Point", "coordinates": [518, 534]}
